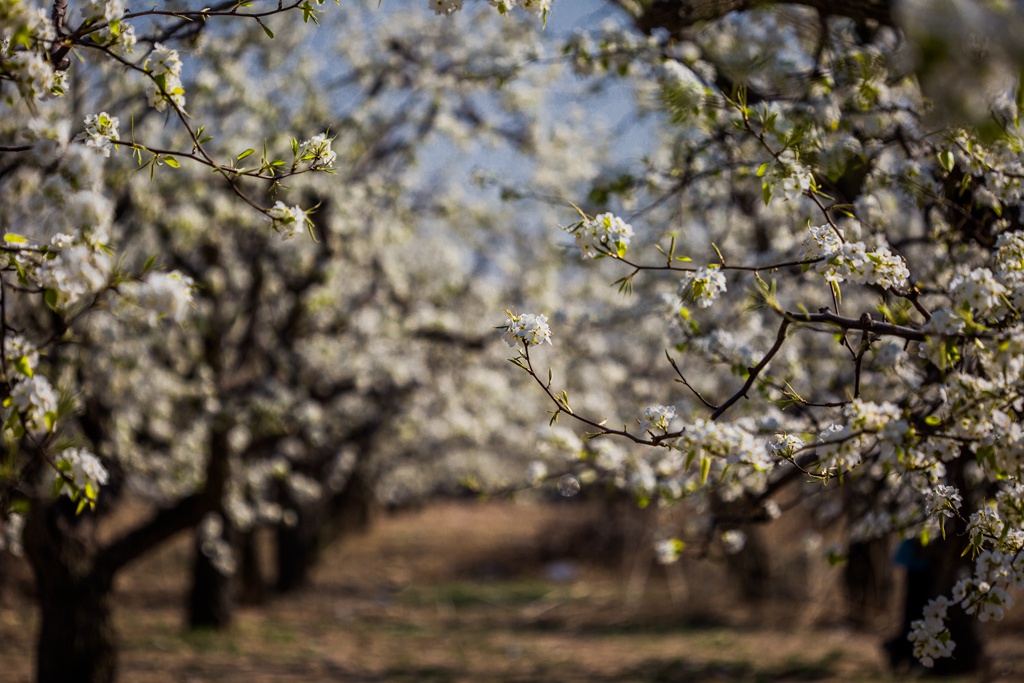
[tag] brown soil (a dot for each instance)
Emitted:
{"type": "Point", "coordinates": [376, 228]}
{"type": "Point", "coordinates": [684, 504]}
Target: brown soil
{"type": "Point", "coordinates": [462, 591]}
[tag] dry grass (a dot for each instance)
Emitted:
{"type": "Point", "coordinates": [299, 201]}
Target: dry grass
{"type": "Point", "coordinates": [463, 591]}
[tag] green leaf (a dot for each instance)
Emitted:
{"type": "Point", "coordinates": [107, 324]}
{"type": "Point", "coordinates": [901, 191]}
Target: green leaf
{"type": "Point", "coordinates": [762, 169]}
{"type": "Point", "coordinates": [50, 419]}
{"type": "Point", "coordinates": [22, 366]}
{"type": "Point", "coordinates": [266, 29]}
{"type": "Point", "coordinates": [51, 299]}
{"type": "Point", "coordinates": [14, 238]}
{"type": "Point", "coordinates": [705, 469]}
{"type": "Point", "coordinates": [946, 159]}
{"type": "Point", "coordinates": [245, 154]}
{"type": "Point", "coordinates": [766, 193]}
{"type": "Point", "coordinates": [172, 162]}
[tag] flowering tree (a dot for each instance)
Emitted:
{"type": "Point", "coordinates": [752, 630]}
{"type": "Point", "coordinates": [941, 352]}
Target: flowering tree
{"type": "Point", "coordinates": [158, 339]}
{"type": "Point", "coordinates": [844, 258]}
{"type": "Point", "coordinates": [842, 248]}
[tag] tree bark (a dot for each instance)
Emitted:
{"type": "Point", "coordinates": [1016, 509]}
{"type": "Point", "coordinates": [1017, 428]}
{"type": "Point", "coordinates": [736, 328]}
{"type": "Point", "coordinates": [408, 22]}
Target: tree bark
{"type": "Point", "coordinates": [319, 524]}
{"type": "Point", "coordinates": [77, 640]}
{"type": "Point", "coordinates": [296, 552]}
{"type": "Point", "coordinates": [74, 575]}
{"type": "Point", "coordinates": [867, 576]}
{"type": "Point", "coordinates": [252, 584]}
{"type": "Point", "coordinates": [209, 601]}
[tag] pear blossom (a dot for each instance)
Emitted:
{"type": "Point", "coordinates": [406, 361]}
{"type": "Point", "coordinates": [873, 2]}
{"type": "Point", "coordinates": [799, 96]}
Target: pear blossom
{"type": "Point", "coordinates": [657, 418]}
{"type": "Point", "coordinates": [702, 286]}
{"type": "Point", "coordinates": [35, 399]}
{"type": "Point", "coordinates": [605, 234]}
{"type": "Point", "coordinates": [527, 328]}
{"type": "Point", "coordinates": [288, 220]}
{"type": "Point", "coordinates": [317, 152]}
{"type": "Point", "coordinates": [100, 132]}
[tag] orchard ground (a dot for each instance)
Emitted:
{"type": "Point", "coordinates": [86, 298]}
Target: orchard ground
{"type": "Point", "coordinates": [497, 591]}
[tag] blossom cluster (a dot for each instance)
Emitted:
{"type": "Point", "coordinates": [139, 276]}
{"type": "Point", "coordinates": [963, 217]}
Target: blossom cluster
{"type": "Point", "coordinates": [317, 152]}
{"type": "Point", "coordinates": [79, 266]}
{"type": "Point", "coordinates": [114, 32]}
{"type": "Point", "coordinates": [35, 401]}
{"type": "Point", "coordinates": [100, 132]}
{"type": "Point", "coordinates": [657, 418]}
{"type": "Point", "coordinates": [604, 234]}
{"type": "Point", "coordinates": [929, 635]}
{"type": "Point", "coordinates": [844, 261]}
{"type": "Point", "coordinates": [85, 472]}
{"type": "Point", "coordinates": [288, 220]}
{"type": "Point", "coordinates": [786, 170]}
{"type": "Point", "coordinates": [159, 296]}
{"type": "Point", "coordinates": [164, 67]}
{"type": "Point", "coordinates": [702, 286]}
{"type": "Point", "coordinates": [528, 329]}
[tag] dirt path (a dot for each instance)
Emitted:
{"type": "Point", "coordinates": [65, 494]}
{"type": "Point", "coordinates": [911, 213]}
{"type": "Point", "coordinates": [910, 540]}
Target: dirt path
{"type": "Point", "coordinates": [459, 592]}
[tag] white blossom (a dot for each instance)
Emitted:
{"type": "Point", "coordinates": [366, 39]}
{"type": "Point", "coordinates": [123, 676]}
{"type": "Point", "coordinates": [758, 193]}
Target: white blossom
{"type": "Point", "coordinates": [657, 418]}
{"type": "Point", "coordinates": [36, 402]}
{"type": "Point", "coordinates": [603, 234]}
{"type": "Point", "coordinates": [528, 329]}
{"type": "Point", "coordinates": [317, 152]}
{"type": "Point", "coordinates": [702, 286]}
{"type": "Point", "coordinates": [288, 220]}
{"type": "Point", "coordinates": [100, 132]}
{"type": "Point", "coordinates": [85, 470]}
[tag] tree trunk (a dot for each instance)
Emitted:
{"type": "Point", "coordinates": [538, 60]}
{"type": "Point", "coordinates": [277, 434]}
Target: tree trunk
{"type": "Point", "coordinates": [77, 641]}
{"type": "Point", "coordinates": [750, 568]}
{"type": "Point", "coordinates": [252, 585]}
{"type": "Point", "coordinates": [209, 600]}
{"type": "Point", "coordinates": [297, 551]}
{"type": "Point", "coordinates": [74, 574]}
{"type": "Point", "coordinates": [319, 524]}
{"type": "Point", "coordinates": [867, 577]}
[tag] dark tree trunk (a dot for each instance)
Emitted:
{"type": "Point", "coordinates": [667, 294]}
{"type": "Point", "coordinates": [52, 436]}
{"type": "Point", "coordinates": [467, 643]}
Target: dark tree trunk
{"type": "Point", "coordinates": [751, 567]}
{"type": "Point", "coordinates": [319, 524]}
{"type": "Point", "coordinates": [77, 641]}
{"type": "Point", "coordinates": [252, 585]}
{"type": "Point", "coordinates": [867, 577]}
{"type": "Point", "coordinates": [292, 561]}
{"type": "Point", "coordinates": [209, 600]}
{"type": "Point", "coordinates": [297, 550]}
{"type": "Point", "coordinates": [74, 574]}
